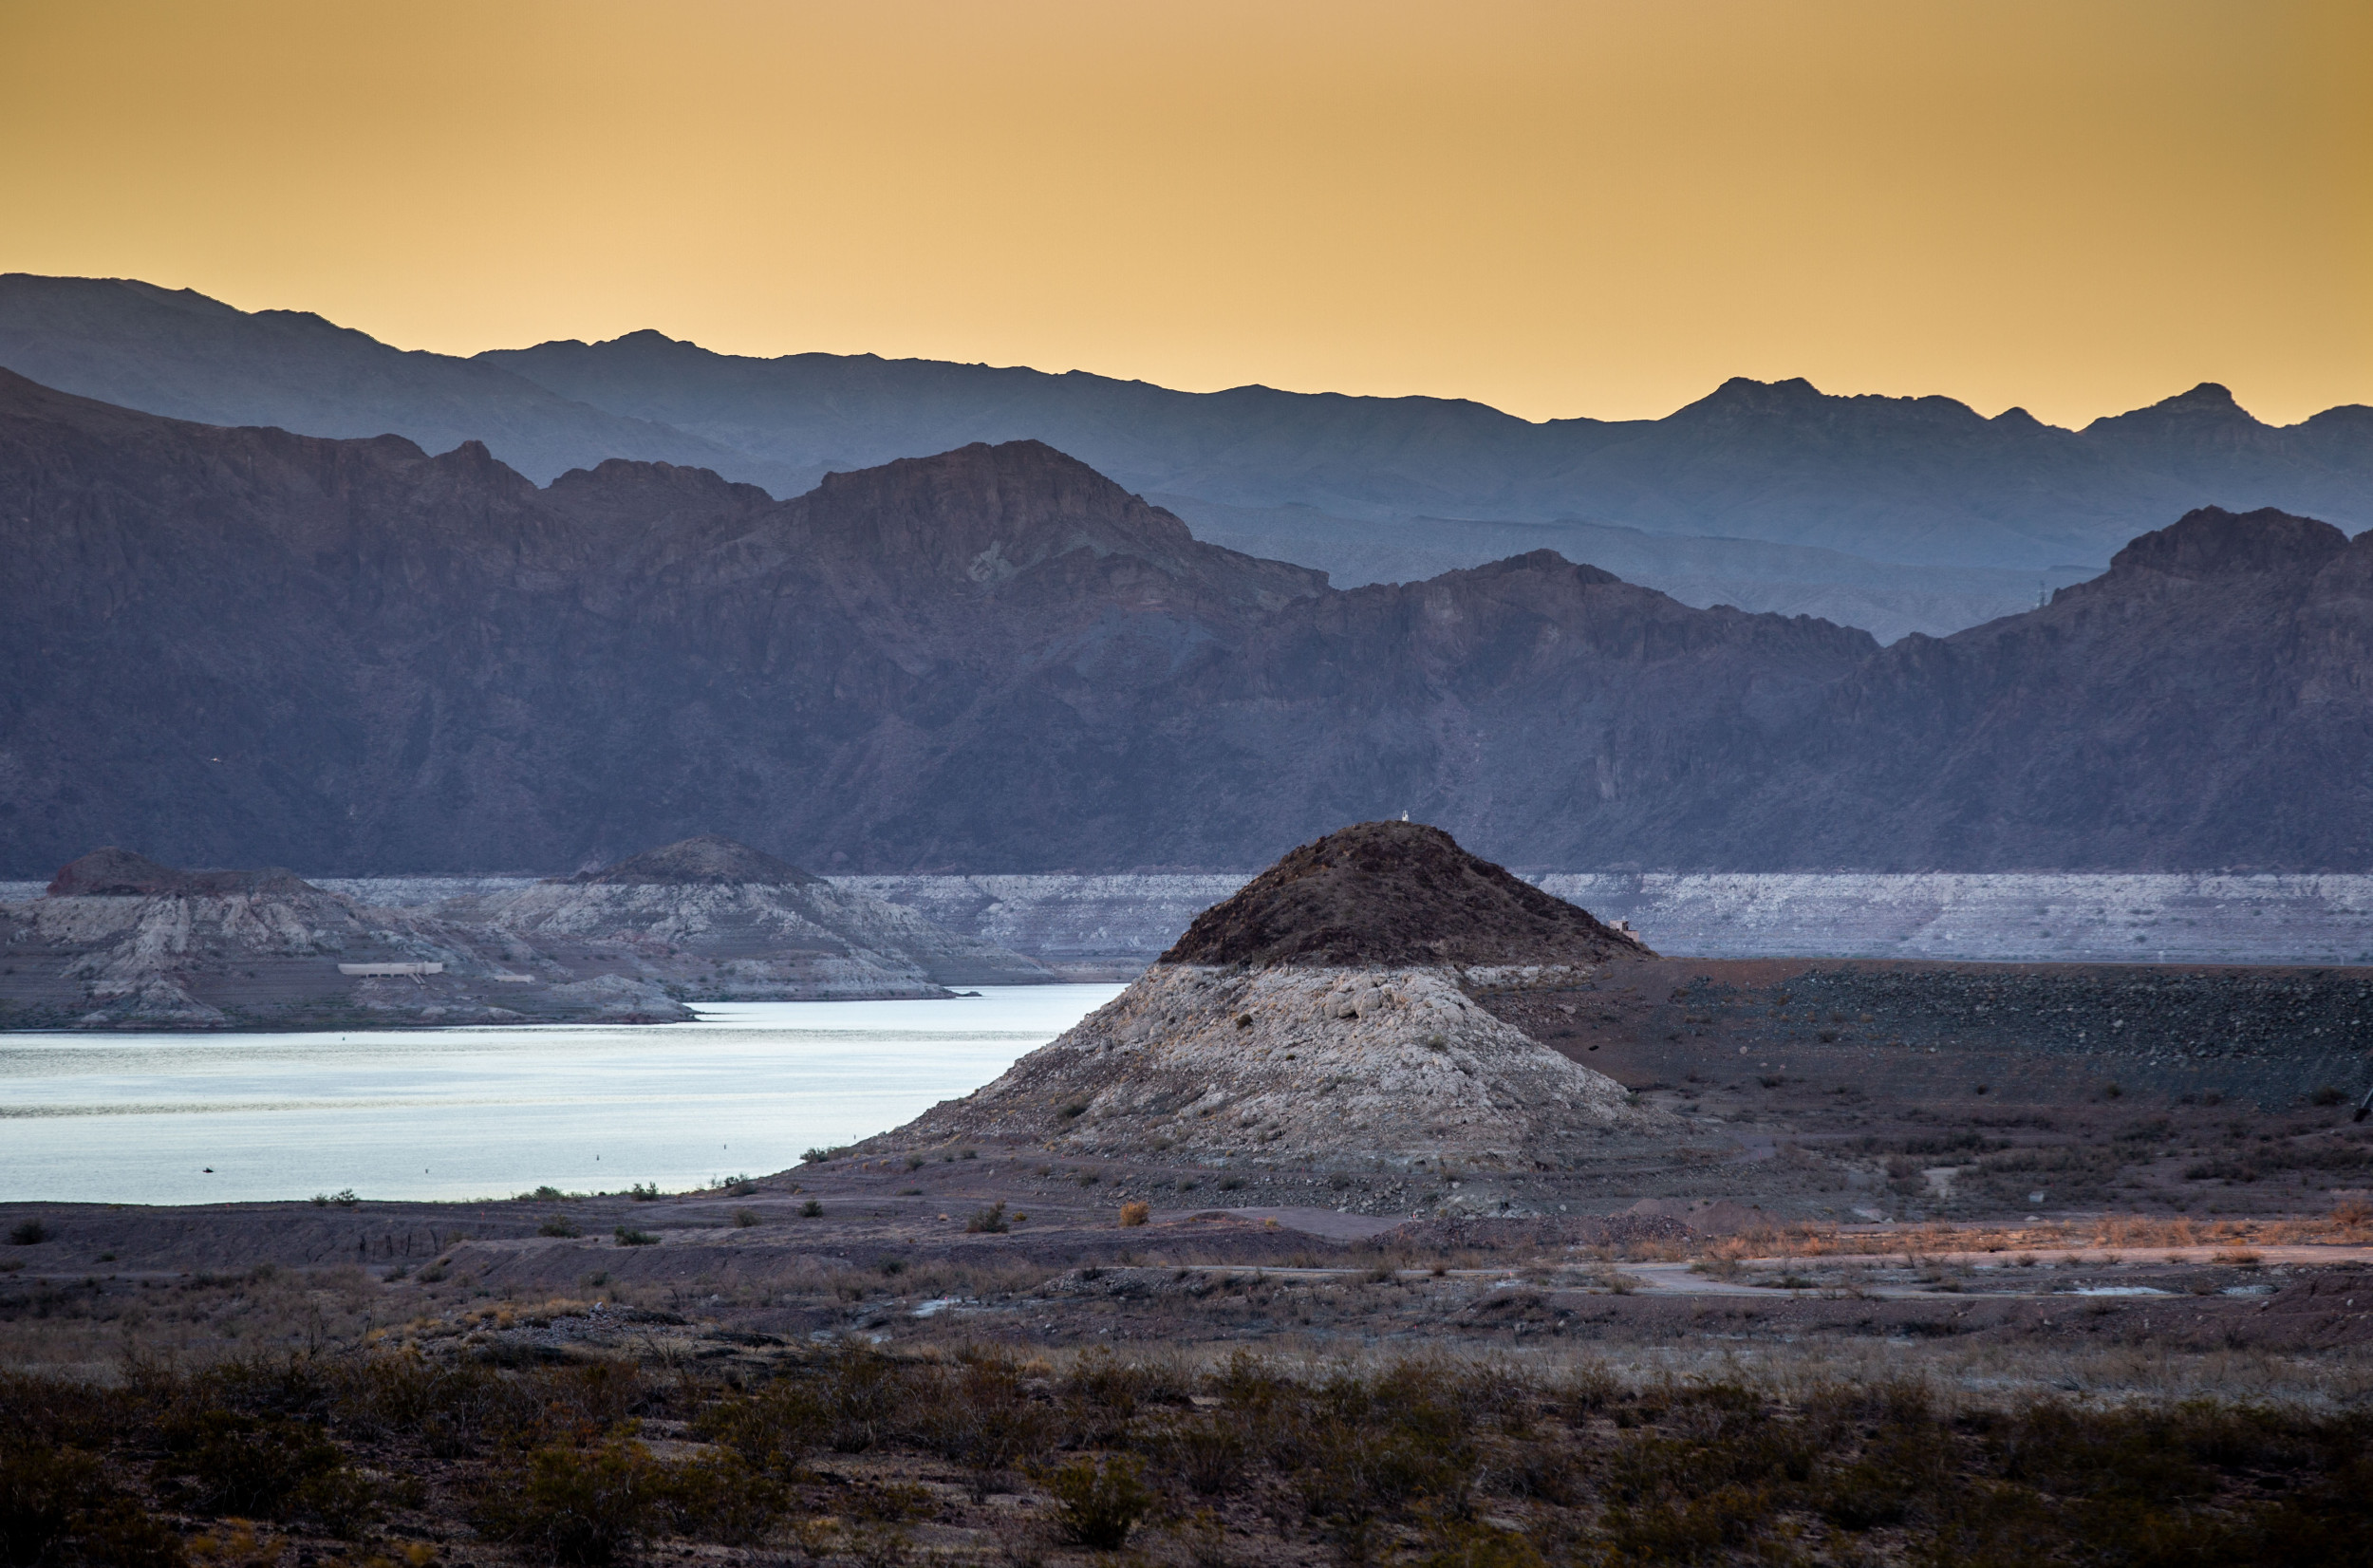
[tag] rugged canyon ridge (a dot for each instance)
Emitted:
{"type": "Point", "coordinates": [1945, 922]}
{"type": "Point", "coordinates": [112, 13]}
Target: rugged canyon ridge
{"type": "Point", "coordinates": [243, 647]}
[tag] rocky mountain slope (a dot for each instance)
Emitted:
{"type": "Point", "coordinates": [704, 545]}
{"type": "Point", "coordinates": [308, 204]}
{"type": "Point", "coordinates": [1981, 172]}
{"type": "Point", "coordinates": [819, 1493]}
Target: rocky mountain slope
{"type": "Point", "coordinates": [2214, 687]}
{"type": "Point", "coordinates": [243, 645]}
{"type": "Point", "coordinates": [713, 920]}
{"type": "Point", "coordinates": [1311, 1020]}
{"type": "Point", "coordinates": [1887, 599]}
{"type": "Point", "coordinates": [1892, 513]}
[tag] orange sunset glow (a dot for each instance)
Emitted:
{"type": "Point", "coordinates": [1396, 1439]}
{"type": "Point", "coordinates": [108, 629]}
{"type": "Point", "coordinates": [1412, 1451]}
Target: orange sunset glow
{"type": "Point", "coordinates": [1560, 209]}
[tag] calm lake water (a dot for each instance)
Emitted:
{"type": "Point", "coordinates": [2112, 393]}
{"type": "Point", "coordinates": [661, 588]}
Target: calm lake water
{"type": "Point", "coordinates": [478, 1113]}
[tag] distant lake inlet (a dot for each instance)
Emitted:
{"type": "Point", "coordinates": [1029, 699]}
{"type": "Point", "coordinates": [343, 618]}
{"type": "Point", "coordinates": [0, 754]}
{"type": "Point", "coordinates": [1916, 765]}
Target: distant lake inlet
{"type": "Point", "coordinates": [447, 1114]}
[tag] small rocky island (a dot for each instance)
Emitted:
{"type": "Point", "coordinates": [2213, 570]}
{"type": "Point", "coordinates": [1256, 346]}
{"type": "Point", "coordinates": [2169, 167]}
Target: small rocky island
{"type": "Point", "coordinates": [120, 942]}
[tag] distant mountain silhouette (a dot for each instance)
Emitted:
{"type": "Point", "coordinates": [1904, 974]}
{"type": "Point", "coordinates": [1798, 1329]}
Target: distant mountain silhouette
{"type": "Point", "coordinates": [244, 647]}
{"type": "Point", "coordinates": [178, 353]}
{"type": "Point", "coordinates": [1919, 480]}
{"type": "Point", "coordinates": [1893, 514]}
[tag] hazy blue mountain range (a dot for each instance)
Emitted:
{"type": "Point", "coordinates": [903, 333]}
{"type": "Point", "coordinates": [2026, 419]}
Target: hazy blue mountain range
{"type": "Point", "coordinates": [243, 647]}
{"type": "Point", "coordinates": [1917, 480]}
{"type": "Point", "coordinates": [1890, 514]}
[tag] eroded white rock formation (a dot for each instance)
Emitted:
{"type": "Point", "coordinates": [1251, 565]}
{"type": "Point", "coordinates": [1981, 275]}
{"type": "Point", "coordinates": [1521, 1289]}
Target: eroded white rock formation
{"type": "Point", "coordinates": [712, 918]}
{"type": "Point", "coordinates": [1293, 1066]}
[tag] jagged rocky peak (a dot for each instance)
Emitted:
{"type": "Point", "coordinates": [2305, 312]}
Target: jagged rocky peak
{"type": "Point", "coordinates": [1395, 893]}
{"type": "Point", "coordinates": [2205, 412]}
{"type": "Point", "coordinates": [2211, 542]}
{"type": "Point", "coordinates": [1328, 1013]}
{"type": "Point", "coordinates": [712, 860]}
{"type": "Point", "coordinates": [123, 873]}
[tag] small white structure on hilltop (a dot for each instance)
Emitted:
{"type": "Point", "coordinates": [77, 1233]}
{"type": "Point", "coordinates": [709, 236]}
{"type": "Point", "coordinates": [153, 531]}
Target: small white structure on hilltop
{"type": "Point", "coordinates": [382, 970]}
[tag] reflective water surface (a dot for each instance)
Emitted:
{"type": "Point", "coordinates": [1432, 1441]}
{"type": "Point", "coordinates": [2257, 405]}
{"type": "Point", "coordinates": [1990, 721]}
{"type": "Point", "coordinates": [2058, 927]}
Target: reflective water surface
{"type": "Point", "coordinates": [491, 1112]}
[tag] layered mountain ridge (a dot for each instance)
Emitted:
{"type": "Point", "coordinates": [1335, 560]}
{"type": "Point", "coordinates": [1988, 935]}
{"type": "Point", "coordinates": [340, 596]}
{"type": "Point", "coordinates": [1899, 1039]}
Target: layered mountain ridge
{"type": "Point", "coordinates": [1892, 513]}
{"type": "Point", "coordinates": [244, 647]}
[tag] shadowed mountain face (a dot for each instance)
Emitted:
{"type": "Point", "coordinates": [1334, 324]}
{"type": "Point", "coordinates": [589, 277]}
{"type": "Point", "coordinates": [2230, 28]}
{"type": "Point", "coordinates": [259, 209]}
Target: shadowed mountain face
{"type": "Point", "coordinates": [243, 647]}
{"type": "Point", "coordinates": [2206, 703]}
{"type": "Point", "coordinates": [1893, 514]}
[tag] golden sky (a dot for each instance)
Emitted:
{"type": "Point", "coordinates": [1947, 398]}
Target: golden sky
{"type": "Point", "coordinates": [1592, 208]}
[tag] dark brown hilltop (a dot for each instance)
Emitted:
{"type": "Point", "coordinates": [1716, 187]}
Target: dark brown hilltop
{"type": "Point", "coordinates": [710, 859]}
{"type": "Point", "coordinates": [1395, 893]}
{"type": "Point", "coordinates": [121, 873]}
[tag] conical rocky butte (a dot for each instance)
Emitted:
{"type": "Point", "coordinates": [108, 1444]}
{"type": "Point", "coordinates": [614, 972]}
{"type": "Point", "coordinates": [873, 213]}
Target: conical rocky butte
{"type": "Point", "coordinates": [1323, 1016]}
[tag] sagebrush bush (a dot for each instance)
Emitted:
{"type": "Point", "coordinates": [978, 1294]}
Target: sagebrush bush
{"type": "Point", "coordinates": [42, 1492]}
{"type": "Point", "coordinates": [979, 1414]}
{"type": "Point", "coordinates": [247, 1465]}
{"type": "Point", "coordinates": [57, 1507]}
{"type": "Point", "coordinates": [1420, 1461]}
{"type": "Point", "coordinates": [1098, 1502]}
{"type": "Point", "coordinates": [576, 1506]}
{"type": "Point", "coordinates": [774, 1429]}
{"type": "Point", "coordinates": [1206, 1453]}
